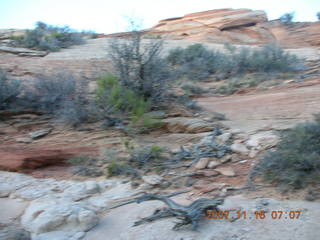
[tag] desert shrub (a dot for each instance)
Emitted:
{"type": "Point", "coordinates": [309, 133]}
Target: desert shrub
{"type": "Point", "coordinates": [196, 62]}
{"type": "Point", "coordinates": [318, 16]}
{"type": "Point", "coordinates": [296, 161]}
{"type": "Point", "coordinates": [62, 95]}
{"type": "Point", "coordinates": [9, 91]}
{"type": "Point", "coordinates": [140, 67]}
{"type": "Point", "coordinates": [51, 38]}
{"type": "Point", "coordinates": [147, 156]}
{"type": "Point", "coordinates": [287, 18]}
{"type": "Point", "coordinates": [192, 89]}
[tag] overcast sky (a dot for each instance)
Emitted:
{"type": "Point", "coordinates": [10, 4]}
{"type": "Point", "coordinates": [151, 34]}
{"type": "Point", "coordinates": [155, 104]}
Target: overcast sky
{"type": "Point", "coordinates": [108, 16]}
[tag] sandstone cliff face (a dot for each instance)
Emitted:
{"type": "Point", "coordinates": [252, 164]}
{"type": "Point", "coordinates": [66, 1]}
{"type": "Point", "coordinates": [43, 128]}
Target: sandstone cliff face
{"type": "Point", "coordinates": [238, 26]}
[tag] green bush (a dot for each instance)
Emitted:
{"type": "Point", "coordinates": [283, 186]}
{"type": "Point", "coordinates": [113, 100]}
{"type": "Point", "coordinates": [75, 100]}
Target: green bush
{"type": "Point", "coordinates": [9, 91]}
{"type": "Point", "coordinates": [296, 161]}
{"type": "Point", "coordinates": [114, 98]}
{"type": "Point", "coordinates": [51, 38]}
{"type": "Point", "coordinates": [116, 168]}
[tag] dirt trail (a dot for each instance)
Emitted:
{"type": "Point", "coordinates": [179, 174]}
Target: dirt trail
{"type": "Point", "coordinates": [277, 108]}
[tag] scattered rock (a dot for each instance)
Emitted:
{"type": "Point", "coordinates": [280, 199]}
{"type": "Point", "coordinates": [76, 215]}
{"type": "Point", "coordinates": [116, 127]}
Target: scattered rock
{"type": "Point", "coordinates": [202, 163]}
{"type": "Point", "coordinates": [239, 148]}
{"type": "Point", "coordinates": [213, 164]}
{"type": "Point", "coordinates": [153, 179]}
{"type": "Point", "coordinates": [40, 133]}
{"type": "Point", "coordinates": [226, 171]}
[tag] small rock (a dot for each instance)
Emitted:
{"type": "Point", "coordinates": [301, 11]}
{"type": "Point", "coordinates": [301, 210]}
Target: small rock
{"type": "Point", "coordinates": [208, 173]}
{"type": "Point", "coordinates": [253, 153]}
{"type": "Point", "coordinates": [153, 179]}
{"type": "Point", "coordinates": [239, 148]}
{"type": "Point", "coordinates": [226, 158]}
{"type": "Point", "coordinates": [40, 133]}
{"type": "Point", "coordinates": [223, 138]}
{"type": "Point", "coordinates": [24, 140]}
{"type": "Point", "coordinates": [243, 161]}
{"type": "Point", "coordinates": [226, 171]}
{"type": "Point", "coordinates": [202, 163]}
{"type": "Point", "coordinates": [213, 164]}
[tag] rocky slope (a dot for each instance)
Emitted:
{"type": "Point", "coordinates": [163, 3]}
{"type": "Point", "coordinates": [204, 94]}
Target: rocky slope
{"type": "Point", "coordinates": [238, 26]}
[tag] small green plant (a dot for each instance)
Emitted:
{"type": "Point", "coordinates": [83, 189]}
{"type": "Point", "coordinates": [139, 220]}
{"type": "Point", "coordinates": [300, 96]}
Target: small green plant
{"type": "Point", "coordinates": [296, 161]}
{"type": "Point", "coordinates": [115, 168]}
{"type": "Point", "coordinates": [114, 98]}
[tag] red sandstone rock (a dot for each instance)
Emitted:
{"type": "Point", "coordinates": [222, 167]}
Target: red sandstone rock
{"type": "Point", "coordinates": [23, 159]}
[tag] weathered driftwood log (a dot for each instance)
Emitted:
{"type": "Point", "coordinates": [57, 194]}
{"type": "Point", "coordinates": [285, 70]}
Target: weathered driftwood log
{"type": "Point", "coordinates": [190, 214]}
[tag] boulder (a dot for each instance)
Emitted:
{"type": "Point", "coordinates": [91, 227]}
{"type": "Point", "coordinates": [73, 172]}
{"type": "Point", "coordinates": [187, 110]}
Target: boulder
{"type": "Point", "coordinates": [46, 215]}
{"type": "Point", "coordinates": [263, 139]}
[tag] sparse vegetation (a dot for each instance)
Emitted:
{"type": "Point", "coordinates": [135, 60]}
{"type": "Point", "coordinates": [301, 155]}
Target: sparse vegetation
{"type": "Point", "coordinates": [60, 94]}
{"type": "Point", "coordinates": [197, 62]}
{"type": "Point", "coordinates": [49, 38]}
{"type": "Point", "coordinates": [192, 89]}
{"type": "Point", "coordinates": [296, 161]}
{"type": "Point", "coordinates": [287, 18]}
{"type": "Point", "coordinates": [9, 91]}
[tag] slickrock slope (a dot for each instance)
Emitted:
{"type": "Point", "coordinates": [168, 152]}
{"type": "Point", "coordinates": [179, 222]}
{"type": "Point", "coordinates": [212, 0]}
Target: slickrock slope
{"type": "Point", "coordinates": [239, 26]}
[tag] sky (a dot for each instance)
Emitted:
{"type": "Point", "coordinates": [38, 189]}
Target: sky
{"type": "Point", "coordinates": [109, 16]}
